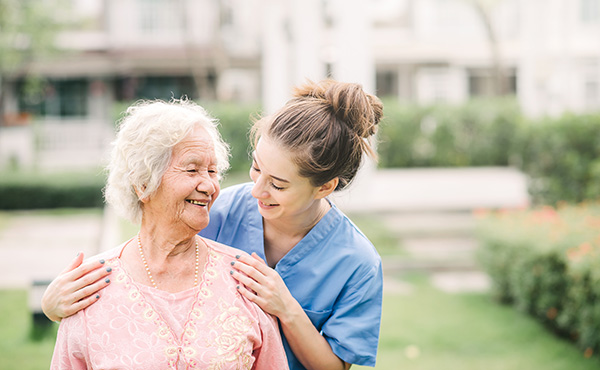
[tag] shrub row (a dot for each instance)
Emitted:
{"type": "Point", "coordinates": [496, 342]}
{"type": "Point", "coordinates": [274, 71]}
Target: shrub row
{"type": "Point", "coordinates": [546, 262]}
{"type": "Point", "coordinates": [560, 155]}
{"type": "Point", "coordinates": [41, 191]}
{"type": "Point", "coordinates": [477, 133]}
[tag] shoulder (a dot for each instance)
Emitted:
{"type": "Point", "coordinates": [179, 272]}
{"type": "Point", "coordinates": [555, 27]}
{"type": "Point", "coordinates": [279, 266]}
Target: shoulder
{"type": "Point", "coordinates": [224, 250]}
{"type": "Point", "coordinates": [236, 191]}
{"type": "Point", "coordinates": [108, 255]}
{"type": "Point", "coordinates": [232, 198]}
{"type": "Point", "coordinates": [353, 239]}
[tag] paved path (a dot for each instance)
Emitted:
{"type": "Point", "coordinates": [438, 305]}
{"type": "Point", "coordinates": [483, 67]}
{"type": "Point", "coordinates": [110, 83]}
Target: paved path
{"type": "Point", "coordinates": [435, 189]}
{"type": "Point", "coordinates": [34, 246]}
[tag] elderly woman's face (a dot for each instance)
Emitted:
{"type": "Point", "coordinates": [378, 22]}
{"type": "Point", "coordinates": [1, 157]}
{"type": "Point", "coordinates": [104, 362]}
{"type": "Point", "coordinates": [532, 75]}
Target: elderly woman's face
{"type": "Point", "coordinates": [189, 186]}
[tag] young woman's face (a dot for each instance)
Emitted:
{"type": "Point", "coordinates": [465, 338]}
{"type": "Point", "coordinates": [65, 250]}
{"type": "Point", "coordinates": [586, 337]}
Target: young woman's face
{"type": "Point", "coordinates": [189, 186]}
{"type": "Point", "coordinates": [281, 192]}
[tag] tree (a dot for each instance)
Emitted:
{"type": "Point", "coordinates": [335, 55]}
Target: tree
{"type": "Point", "coordinates": [484, 10]}
{"type": "Point", "coordinates": [27, 32]}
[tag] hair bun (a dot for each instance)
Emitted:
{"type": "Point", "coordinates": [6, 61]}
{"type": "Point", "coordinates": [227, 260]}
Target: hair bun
{"type": "Point", "coordinates": [350, 103]}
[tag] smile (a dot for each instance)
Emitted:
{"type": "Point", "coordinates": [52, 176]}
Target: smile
{"type": "Point", "coordinates": [262, 204]}
{"type": "Point", "coordinates": [197, 202]}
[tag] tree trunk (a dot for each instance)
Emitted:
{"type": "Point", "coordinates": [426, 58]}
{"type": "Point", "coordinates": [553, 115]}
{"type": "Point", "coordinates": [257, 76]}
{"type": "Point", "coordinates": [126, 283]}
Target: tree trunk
{"type": "Point", "coordinates": [498, 76]}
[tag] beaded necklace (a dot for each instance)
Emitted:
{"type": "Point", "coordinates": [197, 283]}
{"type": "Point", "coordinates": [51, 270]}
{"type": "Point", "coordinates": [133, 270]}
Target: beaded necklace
{"type": "Point", "coordinates": [148, 269]}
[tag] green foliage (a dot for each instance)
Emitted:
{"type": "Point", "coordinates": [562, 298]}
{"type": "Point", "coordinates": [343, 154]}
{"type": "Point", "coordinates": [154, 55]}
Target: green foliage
{"type": "Point", "coordinates": [17, 349]}
{"type": "Point", "coordinates": [477, 133]}
{"type": "Point", "coordinates": [428, 329]}
{"type": "Point", "coordinates": [58, 190]}
{"type": "Point", "coordinates": [546, 262]}
{"type": "Point", "coordinates": [28, 30]}
{"type": "Point", "coordinates": [562, 156]}
{"type": "Point", "coordinates": [235, 122]}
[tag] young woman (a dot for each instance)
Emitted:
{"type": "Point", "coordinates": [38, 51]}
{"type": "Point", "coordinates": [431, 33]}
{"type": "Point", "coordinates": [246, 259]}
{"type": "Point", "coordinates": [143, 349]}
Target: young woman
{"type": "Point", "coordinates": [309, 265]}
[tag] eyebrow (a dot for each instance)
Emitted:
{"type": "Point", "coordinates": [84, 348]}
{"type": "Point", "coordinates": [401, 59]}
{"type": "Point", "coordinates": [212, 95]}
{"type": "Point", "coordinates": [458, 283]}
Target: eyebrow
{"type": "Point", "coordinates": [275, 177]}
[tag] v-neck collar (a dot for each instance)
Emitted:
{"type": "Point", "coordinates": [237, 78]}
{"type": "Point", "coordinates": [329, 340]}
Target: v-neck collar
{"type": "Point", "coordinates": [310, 241]}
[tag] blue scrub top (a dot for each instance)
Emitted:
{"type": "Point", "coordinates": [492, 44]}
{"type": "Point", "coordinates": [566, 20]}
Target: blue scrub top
{"type": "Point", "coordinates": [334, 272]}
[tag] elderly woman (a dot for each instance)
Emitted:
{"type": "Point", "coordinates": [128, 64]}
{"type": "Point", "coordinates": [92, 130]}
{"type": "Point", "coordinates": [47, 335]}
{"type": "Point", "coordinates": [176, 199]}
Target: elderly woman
{"type": "Point", "coordinates": [172, 303]}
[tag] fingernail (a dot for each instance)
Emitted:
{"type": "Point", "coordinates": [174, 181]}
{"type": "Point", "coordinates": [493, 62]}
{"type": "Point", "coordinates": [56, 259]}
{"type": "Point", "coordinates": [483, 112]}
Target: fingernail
{"type": "Point", "coordinates": [102, 261]}
{"type": "Point", "coordinates": [108, 269]}
{"type": "Point", "coordinates": [107, 281]}
{"type": "Point", "coordinates": [231, 272]}
{"type": "Point", "coordinates": [97, 296]}
{"type": "Point", "coordinates": [232, 263]}
{"type": "Point", "coordinates": [78, 253]}
{"type": "Point", "coordinates": [237, 257]}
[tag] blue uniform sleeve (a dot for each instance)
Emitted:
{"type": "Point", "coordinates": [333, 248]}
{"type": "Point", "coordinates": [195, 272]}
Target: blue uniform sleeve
{"type": "Point", "coordinates": [353, 329]}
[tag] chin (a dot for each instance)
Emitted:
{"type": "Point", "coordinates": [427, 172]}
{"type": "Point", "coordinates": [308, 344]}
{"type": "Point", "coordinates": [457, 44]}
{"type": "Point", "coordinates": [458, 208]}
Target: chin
{"type": "Point", "coordinates": [268, 215]}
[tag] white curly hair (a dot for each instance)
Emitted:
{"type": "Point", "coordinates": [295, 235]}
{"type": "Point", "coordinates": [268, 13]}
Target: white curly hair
{"type": "Point", "coordinates": [143, 147]}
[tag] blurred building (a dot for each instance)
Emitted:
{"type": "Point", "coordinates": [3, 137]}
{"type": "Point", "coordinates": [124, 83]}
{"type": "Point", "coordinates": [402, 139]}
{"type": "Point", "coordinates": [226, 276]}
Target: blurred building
{"type": "Point", "coordinates": [546, 52]}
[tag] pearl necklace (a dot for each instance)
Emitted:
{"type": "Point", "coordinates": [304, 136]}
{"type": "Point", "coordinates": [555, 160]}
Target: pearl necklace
{"type": "Point", "coordinates": [148, 269]}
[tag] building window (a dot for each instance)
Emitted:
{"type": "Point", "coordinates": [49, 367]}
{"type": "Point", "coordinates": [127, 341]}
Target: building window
{"type": "Point", "coordinates": [59, 98]}
{"type": "Point", "coordinates": [481, 83]}
{"type": "Point", "coordinates": [590, 11]}
{"type": "Point", "coordinates": [158, 16]}
{"type": "Point", "coordinates": [386, 83]}
{"type": "Point", "coordinates": [155, 87]}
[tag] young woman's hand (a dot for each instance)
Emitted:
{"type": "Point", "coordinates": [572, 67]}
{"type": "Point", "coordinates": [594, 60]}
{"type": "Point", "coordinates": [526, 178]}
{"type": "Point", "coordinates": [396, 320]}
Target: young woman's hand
{"type": "Point", "coordinates": [262, 285]}
{"type": "Point", "coordinates": [75, 288]}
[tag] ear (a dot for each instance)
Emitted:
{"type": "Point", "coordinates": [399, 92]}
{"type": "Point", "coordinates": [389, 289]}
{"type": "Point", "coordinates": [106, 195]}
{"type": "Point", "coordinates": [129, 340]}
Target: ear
{"type": "Point", "coordinates": [327, 188]}
{"type": "Point", "coordinates": [139, 193]}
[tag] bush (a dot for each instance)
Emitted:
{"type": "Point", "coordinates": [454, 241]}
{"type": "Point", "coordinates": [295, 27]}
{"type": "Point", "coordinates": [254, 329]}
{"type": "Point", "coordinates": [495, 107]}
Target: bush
{"type": "Point", "coordinates": [546, 262]}
{"type": "Point", "coordinates": [562, 156]}
{"type": "Point", "coordinates": [235, 122]}
{"type": "Point", "coordinates": [478, 133]}
{"type": "Point", "coordinates": [59, 190]}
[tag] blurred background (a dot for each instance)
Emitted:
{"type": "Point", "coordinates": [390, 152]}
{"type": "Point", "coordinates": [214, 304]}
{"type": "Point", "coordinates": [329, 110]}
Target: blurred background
{"type": "Point", "coordinates": [483, 202]}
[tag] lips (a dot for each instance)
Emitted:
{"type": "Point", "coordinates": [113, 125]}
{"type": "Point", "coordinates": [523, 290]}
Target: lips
{"type": "Point", "coordinates": [266, 205]}
{"type": "Point", "coordinates": [202, 203]}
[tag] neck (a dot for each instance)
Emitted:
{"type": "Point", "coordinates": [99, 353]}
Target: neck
{"type": "Point", "coordinates": [280, 236]}
{"type": "Point", "coordinates": [299, 226]}
{"type": "Point", "coordinates": [160, 243]}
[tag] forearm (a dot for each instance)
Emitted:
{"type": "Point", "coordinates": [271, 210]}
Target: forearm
{"type": "Point", "coordinates": [309, 346]}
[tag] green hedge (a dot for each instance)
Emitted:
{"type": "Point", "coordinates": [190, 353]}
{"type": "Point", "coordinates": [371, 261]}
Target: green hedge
{"type": "Point", "coordinates": [477, 133]}
{"type": "Point", "coordinates": [560, 155]}
{"type": "Point", "coordinates": [546, 262]}
{"type": "Point", "coordinates": [57, 190]}
{"type": "Point", "coordinates": [235, 122]}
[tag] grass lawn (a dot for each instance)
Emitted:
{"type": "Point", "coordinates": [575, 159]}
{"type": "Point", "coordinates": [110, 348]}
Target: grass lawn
{"type": "Point", "coordinates": [17, 349]}
{"type": "Point", "coordinates": [424, 329]}
{"type": "Point", "coordinates": [428, 329]}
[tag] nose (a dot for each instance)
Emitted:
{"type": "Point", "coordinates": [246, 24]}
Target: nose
{"type": "Point", "coordinates": [258, 190]}
{"type": "Point", "coordinates": [207, 185]}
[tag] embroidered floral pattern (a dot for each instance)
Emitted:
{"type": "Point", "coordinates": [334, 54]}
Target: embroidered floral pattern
{"type": "Point", "coordinates": [208, 327]}
{"type": "Point", "coordinates": [231, 342]}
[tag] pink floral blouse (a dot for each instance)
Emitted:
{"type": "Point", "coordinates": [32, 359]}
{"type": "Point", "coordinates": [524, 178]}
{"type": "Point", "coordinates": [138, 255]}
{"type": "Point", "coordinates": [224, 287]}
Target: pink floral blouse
{"type": "Point", "coordinates": [134, 326]}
